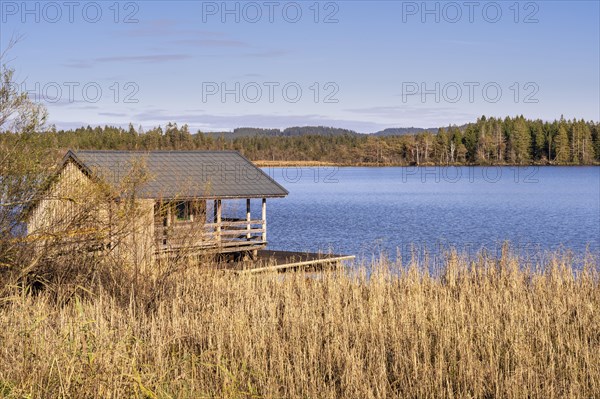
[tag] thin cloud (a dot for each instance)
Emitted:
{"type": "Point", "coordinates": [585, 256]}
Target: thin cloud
{"type": "Point", "coordinates": [173, 34]}
{"type": "Point", "coordinates": [392, 112]}
{"type": "Point", "coordinates": [165, 27]}
{"type": "Point", "coordinates": [142, 59]}
{"type": "Point", "coordinates": [211, 42]}
{"type": "Point", "coordinates": [410, 115]}
{"type": "Point", "coordinates": [153, 58]}
{"type": "Point", "coordinates": [193, 37]}
{"type": "Point", "coordinates": [382, 110]}
{"type": "Point", "coordinates": [116, 114]}
{"type": "Point", "coordinates": [66, 125]}
{"type": "Point", "coordinates": [54, 101]}
{"type": "Point", "coordinates": [159, 27]}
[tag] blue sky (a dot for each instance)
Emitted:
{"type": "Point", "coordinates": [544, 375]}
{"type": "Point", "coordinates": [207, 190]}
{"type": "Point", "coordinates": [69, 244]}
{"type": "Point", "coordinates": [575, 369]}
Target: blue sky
{"type": "Point", "coordinates": [359, 65]}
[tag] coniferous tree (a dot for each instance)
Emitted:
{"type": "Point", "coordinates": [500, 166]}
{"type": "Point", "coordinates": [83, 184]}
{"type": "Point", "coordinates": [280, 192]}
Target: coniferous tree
{"type": "Point", "coordinates": [499, 141]}
{"type": "Point", "coordinates": [551, 132]}
{"type": "Point", "coordinates": [521, 142]}
{"type": "Point", "coordinates": [442, 147]}
{"type": "Point", "coordinates": [595, 130]}
{"type": "Point", "coordinates": [539, 141]}
{"type": "Point", "coordinates": [470, 139]}
{"type": "Point", "coordinates": [585, 148]}
{"type": "Point", "coordinates": [561, 146]}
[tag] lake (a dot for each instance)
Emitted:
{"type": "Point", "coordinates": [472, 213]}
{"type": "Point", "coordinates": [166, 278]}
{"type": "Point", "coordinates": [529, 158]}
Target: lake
{"type": "Point", "coordinates": [369, 211]}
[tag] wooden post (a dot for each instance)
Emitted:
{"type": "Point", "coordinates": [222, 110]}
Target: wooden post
{"type": "Point", "coordinates": [215, 212]}
{"type": "Point", "coordinates": [248, 219]}
{"type": "Point", "coordinates": [219, 212]}
{"type": "Point", "coordinates": [167, 230]}
{"type": "Point", "coordinates": [264, 219]}
{"type": "Point", "coordinates": [168, 215]}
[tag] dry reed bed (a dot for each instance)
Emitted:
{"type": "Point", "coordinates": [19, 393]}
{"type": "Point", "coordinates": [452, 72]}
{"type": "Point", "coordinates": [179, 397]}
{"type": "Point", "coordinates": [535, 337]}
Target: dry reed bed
{"type": "Point", "coordinates": [481, 329]}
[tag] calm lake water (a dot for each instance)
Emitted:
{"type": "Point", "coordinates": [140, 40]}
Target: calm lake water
{"type": "Point", "coordinates": [367, 211]}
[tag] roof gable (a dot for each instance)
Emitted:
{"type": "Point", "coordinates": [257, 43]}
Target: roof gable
{"type": "Point", "coordinates": [181, 174]}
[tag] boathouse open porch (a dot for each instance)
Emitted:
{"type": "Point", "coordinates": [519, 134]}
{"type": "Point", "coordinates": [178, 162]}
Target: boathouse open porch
{"type": "Point", "coordinates": [210, 226]}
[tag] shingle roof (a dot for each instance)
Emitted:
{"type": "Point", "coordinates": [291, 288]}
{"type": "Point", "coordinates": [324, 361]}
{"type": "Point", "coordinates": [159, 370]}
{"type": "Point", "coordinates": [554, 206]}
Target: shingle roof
{"type": "Point", "coordinates": [182, 174]}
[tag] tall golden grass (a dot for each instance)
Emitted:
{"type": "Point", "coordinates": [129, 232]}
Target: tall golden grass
{"type": "Point", "coordinates": [493, 327]}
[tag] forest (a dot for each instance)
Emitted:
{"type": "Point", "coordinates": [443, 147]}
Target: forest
{"type": "Point", "coordinates": [488, 141]}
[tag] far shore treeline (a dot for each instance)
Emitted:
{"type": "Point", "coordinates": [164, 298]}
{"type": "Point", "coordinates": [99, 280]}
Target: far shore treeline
{"type": "Point", "coordinates": [488, 141]}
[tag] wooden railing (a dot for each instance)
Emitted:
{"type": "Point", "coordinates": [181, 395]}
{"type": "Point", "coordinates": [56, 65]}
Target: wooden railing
{"type": "Point", "coordinates": [228, 236]}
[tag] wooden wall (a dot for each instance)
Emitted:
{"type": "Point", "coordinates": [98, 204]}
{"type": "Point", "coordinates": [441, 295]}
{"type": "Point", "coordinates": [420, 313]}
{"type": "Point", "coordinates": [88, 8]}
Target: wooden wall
{"type": "Point", "coordinates": [77, 212]}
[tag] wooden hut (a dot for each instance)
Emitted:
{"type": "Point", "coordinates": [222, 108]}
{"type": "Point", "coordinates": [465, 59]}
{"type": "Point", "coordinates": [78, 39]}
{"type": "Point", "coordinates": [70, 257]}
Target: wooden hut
{"type": "Point", "coordinates": [171, 201]}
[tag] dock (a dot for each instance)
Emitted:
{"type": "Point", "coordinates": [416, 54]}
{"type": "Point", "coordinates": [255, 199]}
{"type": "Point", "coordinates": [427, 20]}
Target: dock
{"type": "Point", "coordinates": [283, 261]}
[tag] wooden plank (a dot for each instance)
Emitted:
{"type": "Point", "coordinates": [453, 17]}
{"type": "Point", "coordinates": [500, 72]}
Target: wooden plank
{"type": "Point", "coordinates": [175, 245]}
{"type": "Point", "coordinates": [242, 223]}
{"type": "Point", "coordinates": [296, 265]}
{"type": "Point", "coordinates": [208, 251]}
{"type": "Point", "coordinates": [183, 233]}
{"type": "Point", "coordinates": [213, 244]}
{"type": "Point", "coordinates": [264, 219]}
{"type": "Point", "coordinates": [189, 228]}
{"type": "Point", "coordinates": [248, 218]}
{"type": "Point", "coordinates": [245, 248]}
{"type": "Point", "coordinates": [241, 243]}
{"type": "Point", "coordinates": [219, 214]}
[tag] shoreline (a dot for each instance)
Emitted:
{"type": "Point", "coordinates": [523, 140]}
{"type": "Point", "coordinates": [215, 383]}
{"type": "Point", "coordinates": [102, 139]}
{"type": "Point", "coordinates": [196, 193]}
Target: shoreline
{"type": "Point", "coordinates": [299, 164]}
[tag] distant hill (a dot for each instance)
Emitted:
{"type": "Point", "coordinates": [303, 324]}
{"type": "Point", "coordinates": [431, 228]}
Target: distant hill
{"type": "Point", "coordinates": [318, 131]}
{"type": "Point", "coordinates": [245, 132]}
{"type": "Point", "coordinates": [288, 132]}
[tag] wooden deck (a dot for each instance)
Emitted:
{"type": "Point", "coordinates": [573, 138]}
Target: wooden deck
{"type": "Point", "coordinates": [282, 261]}
{"type": "Point", "coordinates": [224, 237]}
